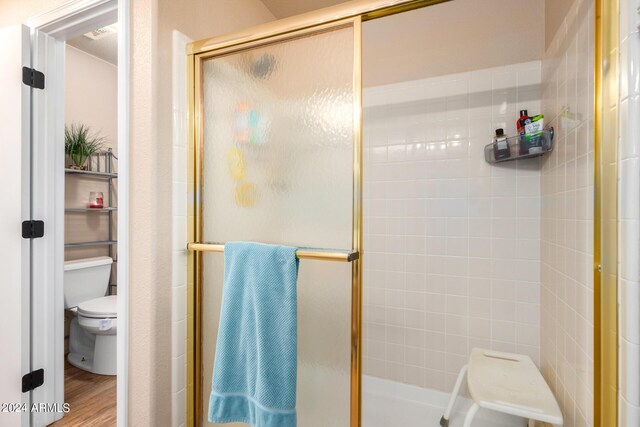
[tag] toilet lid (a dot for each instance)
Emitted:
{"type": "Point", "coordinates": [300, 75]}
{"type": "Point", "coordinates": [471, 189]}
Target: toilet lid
{"type": "Point", "coordinates": [99, 307]}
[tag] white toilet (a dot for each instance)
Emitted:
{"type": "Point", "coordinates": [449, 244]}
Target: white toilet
{"type": "Point", "coordinates": [92, 335]}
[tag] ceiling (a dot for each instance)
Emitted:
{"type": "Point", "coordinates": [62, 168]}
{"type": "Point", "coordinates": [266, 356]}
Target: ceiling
{"type": "Point", "coordinates": [105, 48]}
{"type": "Point", "coordinates": [285, 8]}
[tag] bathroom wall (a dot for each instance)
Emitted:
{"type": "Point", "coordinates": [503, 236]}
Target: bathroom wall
{"type": "Point", "coordinates": [422, 43]}
{"type": "Point", "coordinates": [554, 14]}
{"type": "Point", "coordinates": [90, 99]}
{"type": "Point", "coordinates": [90, 93]}
{"type": "Point", "coordinates": [629, 214]}
{"type": "Point", "coordinates": [157, 339]}
{"type": "Point", "coordinates": [567, 217]}
{"type": "Point", "coordinates": [452, 243]}
{"type": "Point", "coordinates": [18, 12]}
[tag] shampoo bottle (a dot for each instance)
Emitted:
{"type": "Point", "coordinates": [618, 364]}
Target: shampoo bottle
{"type": "Point", "coordinates": [534, 135]}
{"type": "Point", "coordinates": [521, 124]}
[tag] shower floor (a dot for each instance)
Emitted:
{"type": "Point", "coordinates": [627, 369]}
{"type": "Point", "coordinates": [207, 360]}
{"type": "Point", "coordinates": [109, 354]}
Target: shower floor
{"type": "Point", "coordinates": [390, 404]}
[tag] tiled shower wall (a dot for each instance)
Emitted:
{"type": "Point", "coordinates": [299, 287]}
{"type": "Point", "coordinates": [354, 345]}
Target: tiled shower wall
{"type": "Point", "coordinates": [179, 253]}
{"type": "Point", "coordinates": [567, 217]}
{"type": "Point", "coordinates": [452, 244]}
{"type": "Point", "coordinates": [629, 214]}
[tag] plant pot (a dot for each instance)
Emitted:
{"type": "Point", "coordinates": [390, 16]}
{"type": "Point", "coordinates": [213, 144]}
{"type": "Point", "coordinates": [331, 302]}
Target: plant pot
{"type": "Point", "coordinates": [70, 164]}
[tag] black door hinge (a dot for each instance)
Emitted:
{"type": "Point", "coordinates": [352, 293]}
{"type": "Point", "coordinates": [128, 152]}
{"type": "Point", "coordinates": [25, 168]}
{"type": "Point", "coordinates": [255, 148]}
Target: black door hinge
{"type": "Point", "coordinates": [32, 229]}
{"type": "Point", "coordinates": [32, 380]}
{"type": "Point", "coordinates": [32, 77]}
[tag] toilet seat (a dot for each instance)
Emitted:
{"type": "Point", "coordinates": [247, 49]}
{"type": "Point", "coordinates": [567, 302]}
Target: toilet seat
{"type": "Point", "coordinates": [99, 308]}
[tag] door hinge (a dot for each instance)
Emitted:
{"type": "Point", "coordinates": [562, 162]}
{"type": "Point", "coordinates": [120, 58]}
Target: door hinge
{"type": "Point", "coordinates": [32, 77]}
{"type": "Point", "coordinates": [32, 380]}
{"type": "Point", "coordinates": [32, 229]}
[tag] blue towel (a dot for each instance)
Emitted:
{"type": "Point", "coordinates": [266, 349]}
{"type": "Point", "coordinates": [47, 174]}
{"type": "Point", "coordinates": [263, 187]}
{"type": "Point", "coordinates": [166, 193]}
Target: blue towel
{"type": "Point", "coordinates": [255, 369]}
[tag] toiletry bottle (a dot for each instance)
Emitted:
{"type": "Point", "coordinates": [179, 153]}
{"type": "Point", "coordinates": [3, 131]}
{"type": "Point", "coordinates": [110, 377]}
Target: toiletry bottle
{"type": "Point", "coordinates": [520, 124]}
{"type": "Point", "coordinates": [501, 145]}
{"type": "Point", "coordinates": [534, 135]}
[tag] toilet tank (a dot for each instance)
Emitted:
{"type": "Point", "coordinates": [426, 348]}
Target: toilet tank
{"type": "Point", "coordinates": [86, 279]}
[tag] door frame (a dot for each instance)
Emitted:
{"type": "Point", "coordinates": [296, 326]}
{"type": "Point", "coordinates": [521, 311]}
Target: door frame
{"type": "Point", "coordinates": [195, 227]}
{"type": "Point", "coordinates": [354, 12]}
{"type": "Point", "coordinates": [605, 297]}
{"type": "Point", "coordinates": [607, 364]}
{"type": "Point", "coordinates": [15, 113]}
{"type": "Point", "coordinates": [62, 23]}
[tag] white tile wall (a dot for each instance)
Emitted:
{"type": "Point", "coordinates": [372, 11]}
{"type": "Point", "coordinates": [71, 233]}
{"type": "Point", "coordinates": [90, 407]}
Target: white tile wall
{"type": "Point", "coordinates": [452, 244]}
{"type": "Point", "coordinates": [629, 213]}
{"type": "Point", "coordinates": [179, 258]}
{"type": "Point", "coordinates": [567, 217]}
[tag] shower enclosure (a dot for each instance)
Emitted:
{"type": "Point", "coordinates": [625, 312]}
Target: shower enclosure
{"type": "Point", "coordinates": [309, 132]}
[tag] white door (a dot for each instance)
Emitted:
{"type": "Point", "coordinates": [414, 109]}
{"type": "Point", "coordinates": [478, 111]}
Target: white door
{"type": "Point", "coordinates": [31, 349]}
{"type": "Point", "coordinates": [15, 113]}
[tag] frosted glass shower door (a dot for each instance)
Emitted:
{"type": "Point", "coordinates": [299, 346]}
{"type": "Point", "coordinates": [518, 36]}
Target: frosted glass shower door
{"type": "Point", "coordinates": [277, 164]}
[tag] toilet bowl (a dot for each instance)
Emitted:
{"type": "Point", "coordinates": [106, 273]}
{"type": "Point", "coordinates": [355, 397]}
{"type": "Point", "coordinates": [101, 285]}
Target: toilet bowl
{"type": "Point", "coordinates": [93, 329]}
{"type": "Point", "coordinates": [92, 336]}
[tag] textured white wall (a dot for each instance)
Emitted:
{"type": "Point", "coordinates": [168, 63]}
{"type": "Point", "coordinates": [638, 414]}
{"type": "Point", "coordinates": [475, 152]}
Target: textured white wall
{"type": "Point", "coordinates": [18, 12]}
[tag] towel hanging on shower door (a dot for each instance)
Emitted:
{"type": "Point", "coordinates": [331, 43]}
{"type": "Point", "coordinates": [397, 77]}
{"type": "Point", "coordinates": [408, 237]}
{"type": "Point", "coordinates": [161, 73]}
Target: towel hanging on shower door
{"type": "Point", "coordinates": [255, 368]}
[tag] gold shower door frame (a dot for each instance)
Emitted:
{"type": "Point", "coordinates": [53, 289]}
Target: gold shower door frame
{"type": "Point", "coordinates": [605, 250]}
{"type": "Point", "coordinates": [347, 14]}
{"type": "Point", "coordinates": [353, 13]}
{"type": "Point", "coordinates": [195, 270]}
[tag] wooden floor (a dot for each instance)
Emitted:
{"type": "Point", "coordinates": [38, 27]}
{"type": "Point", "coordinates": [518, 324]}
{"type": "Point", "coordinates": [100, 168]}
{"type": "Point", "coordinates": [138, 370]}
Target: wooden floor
{"type": "Point", "coordinates": [91, 397]}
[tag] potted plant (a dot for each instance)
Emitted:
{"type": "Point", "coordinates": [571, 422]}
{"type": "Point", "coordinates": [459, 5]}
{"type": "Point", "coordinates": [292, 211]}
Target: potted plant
{"type": "Point", "coordinates": [80, 143]}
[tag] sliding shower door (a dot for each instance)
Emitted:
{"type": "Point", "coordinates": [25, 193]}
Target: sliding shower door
{"type": "Point", "coordinates": [275, 146]}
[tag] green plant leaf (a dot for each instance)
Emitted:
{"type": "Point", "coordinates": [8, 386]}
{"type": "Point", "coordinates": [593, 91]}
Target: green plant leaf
{"type": "Point", "coordinates": [80, 143]}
